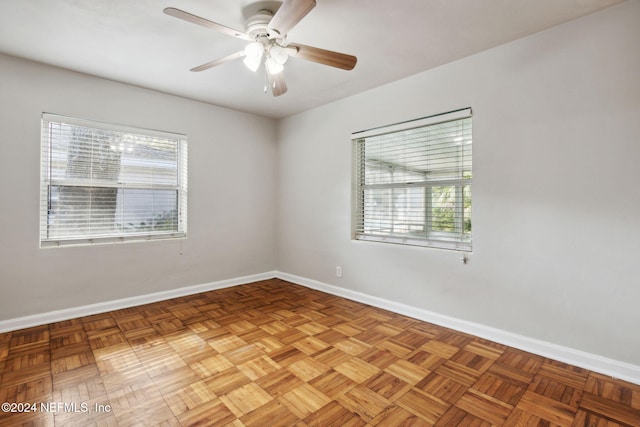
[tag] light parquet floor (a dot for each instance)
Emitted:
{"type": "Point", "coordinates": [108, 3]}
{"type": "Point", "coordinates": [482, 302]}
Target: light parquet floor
{"type": "Point", "coordinates": [276, 354]}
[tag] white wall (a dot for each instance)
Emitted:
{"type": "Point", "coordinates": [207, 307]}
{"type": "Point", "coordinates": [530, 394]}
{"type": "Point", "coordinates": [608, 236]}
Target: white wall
{"type": "Point", "coordinates": [555, 191]}
{"type": "Point", "coordinates": [231, 194]}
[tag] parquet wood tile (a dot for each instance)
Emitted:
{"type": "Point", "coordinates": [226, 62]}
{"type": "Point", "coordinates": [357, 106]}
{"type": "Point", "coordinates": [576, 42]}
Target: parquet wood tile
{"type": "Point", "coordinates": [424, 405]}
{"type": "Point", "coordinates": [387, 385]}
{"type": "Point", "coordinates": [442, 387]}
{"type": "Point", "coordinates": [276, 354]}
{"type": "Point", "coordinates": [304, 400]}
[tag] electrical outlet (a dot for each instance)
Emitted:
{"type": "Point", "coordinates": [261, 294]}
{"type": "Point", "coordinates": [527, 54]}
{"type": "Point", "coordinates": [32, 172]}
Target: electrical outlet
{"type": "Point", "coordinates": [338, 271]}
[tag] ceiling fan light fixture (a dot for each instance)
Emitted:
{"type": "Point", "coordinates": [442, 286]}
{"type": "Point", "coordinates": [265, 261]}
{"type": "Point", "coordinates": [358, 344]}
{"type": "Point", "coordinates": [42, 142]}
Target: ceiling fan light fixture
{"type": "Point", "coordinates": [273, 66]}
{"type": "Point", "coordinates": [278, 54]}
{"type": "Point", "coordinates": [253, 55]}
{"type": "Point", "coordinates": [251, 63]}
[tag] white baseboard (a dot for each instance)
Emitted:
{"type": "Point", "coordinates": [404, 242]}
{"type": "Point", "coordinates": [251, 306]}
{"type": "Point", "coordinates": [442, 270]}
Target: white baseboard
{"type": "Point", "coordinates": [87, 310]}
{"type": "Point", "coordinates": [593, 362]}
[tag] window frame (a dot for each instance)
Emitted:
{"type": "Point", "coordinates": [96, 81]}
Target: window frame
{"type": "Point", "coordinates": [47, 182]}
{"type": "Point", "coordinates": [458, 239]}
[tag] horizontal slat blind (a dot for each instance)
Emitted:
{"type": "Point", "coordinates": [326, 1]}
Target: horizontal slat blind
{"type": "Point", "coordinates": [412, 182]}
{"type": "Point", "coordinates": [108, 183]}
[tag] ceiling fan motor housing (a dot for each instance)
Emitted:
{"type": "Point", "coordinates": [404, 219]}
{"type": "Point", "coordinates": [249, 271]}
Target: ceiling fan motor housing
{"type": "Point", "coordinates": [257, 24]}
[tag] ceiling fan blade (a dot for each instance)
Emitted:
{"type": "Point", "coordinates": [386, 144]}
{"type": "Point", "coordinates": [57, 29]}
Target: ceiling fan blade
{"type": "Point", "coordinates": [277, 83]}
{"type": "Point", "coordinates": [186, 16]}
{"type": "Point", "coordinates": [219, 61]}
{"type": "Point", "coordinates": [326, 57]}
{"type": "Point", "coordinates": [290, 13]}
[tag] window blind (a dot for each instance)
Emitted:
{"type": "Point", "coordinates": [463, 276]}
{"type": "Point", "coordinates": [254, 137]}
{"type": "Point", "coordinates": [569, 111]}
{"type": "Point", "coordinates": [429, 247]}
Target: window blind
{"type": "Point", "coordinates": [412, 182]}
{"type": "Point", "coordinates": [105, 183]}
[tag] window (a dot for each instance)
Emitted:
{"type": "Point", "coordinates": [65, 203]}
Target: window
{"type": "Point", "coordinates": [105, 183]}
{"type": "Point", "coordinates": [412, 182]}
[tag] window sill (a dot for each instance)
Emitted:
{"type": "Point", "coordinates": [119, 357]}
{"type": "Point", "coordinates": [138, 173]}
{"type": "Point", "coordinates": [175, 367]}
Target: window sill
{"type": "Point", "coordinates": [83, 241]}
{"type": "Point", "coordinates": [437, 244]}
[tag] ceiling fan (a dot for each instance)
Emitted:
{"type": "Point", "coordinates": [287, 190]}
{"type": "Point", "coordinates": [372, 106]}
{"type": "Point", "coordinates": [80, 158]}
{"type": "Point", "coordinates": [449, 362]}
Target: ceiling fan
{"type": "Point", "coordinates": [267, 34]}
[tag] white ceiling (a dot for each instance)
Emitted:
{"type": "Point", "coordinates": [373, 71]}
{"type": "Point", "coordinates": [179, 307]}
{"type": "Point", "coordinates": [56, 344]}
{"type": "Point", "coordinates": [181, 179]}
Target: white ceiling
{"type": "Point", "coordinates": [133, 41]}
